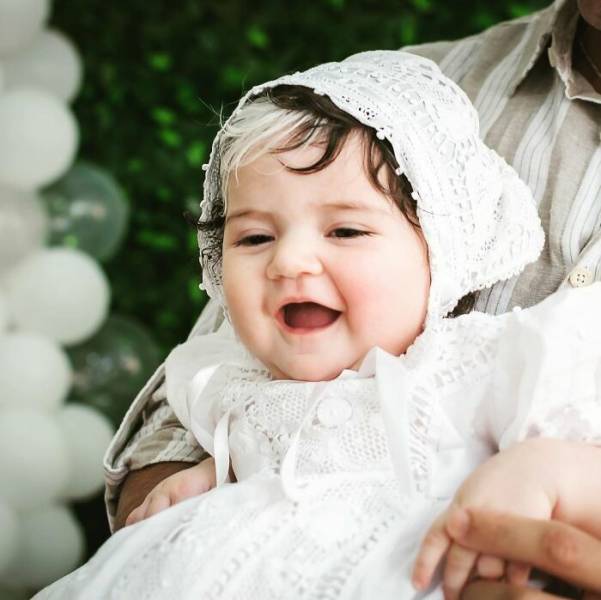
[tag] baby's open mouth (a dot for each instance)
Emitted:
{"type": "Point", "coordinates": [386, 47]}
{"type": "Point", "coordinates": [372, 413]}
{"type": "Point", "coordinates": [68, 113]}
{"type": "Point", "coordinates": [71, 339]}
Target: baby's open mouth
{"type": "Point", "coordinates": [308, 315]}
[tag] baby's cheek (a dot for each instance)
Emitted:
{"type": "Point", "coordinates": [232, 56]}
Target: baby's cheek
{"type": "Point", "coordinates": [236, 286]}
{"type": "Point", "coordinates": [387, 309]}
{"type": "Point", "coordinates": [241, 304]}
{"type": "Point", "coordinates": [366, 301]}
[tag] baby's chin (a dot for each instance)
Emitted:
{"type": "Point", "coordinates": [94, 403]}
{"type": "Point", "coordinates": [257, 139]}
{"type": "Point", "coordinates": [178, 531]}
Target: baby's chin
{"type": "Point", "coordinates": [317, 370]}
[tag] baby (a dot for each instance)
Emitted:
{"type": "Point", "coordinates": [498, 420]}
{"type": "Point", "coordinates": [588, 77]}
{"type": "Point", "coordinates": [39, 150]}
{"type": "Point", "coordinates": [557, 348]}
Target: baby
{"type": "Point", "coordinates": [349, 213]}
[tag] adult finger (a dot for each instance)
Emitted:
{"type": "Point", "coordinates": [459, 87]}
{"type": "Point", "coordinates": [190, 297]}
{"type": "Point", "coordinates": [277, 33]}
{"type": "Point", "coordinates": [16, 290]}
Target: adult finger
{"type": "Point", "coordinates": [496, 590]}
{"type": "Point", "coordinates": [551, 546]}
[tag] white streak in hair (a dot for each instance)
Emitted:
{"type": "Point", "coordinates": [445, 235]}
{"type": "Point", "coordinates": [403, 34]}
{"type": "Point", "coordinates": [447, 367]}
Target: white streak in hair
{"type": "Point", "coordinates": [257, 128]}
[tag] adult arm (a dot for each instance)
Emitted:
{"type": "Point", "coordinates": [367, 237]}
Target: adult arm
{"type": "Point", "coordinates": [151, 444]}
{"type": "Point", "coordinates": [148, 447]}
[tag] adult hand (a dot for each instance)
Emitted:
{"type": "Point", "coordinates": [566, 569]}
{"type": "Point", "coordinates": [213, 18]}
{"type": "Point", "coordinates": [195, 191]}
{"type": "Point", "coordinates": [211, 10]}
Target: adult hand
{"type": "Point", "coordinates": [493, 590]}
{"type": "Point", "coordinates": [551, 546]}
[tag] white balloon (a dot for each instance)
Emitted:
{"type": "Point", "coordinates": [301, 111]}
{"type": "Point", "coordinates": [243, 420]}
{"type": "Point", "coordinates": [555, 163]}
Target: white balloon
{"type": "Point", "coordinates": [34, 372]}
{"type": "Point", "coordinates": [87, 434]}
{"type": "Point", "coordinates": [23, 225]}
{"type": "Point", "coordinates": [9, 526]}
{"type": "Point", "coordinates": [59, 292]}
{"type": "Point", "coordinates": [51, 62]}
{"type": "Point", "coordinates": [39, 138]}
{"type": "Point", "coordinates": [51, 545]}
{"type": "Point", "coordinates": [34, 465]}
{"type": "Point", "coordinates": [20, 20]}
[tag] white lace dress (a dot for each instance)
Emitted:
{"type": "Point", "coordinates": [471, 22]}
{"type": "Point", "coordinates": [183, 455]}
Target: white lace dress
{"type": "Point", "coordinates": [337, 482]}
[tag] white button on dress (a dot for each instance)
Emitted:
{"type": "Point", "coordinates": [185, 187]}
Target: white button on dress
{"type": "Point", "coordinates": [334, 411]}
{"type": "Point", "coordinates": [581, 277]}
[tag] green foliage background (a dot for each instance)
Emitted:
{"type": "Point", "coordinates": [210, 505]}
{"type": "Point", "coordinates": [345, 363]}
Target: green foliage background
{"type": "Point", "coordinates": [158, 73]}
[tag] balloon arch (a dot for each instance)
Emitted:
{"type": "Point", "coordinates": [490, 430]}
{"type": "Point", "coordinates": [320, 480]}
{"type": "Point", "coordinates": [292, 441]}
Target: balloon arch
{"type": "Point", "coordinates": [67, 369]}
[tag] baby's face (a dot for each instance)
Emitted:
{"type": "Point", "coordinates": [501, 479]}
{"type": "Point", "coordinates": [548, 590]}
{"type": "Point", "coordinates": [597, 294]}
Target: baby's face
{"type": "Point", "coordinates": [320, 268]}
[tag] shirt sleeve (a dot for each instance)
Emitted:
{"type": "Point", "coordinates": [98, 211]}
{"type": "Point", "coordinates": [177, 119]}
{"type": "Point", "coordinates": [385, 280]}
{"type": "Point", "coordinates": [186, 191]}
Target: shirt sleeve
{"type": "Point", "coordinates": [150, 432]}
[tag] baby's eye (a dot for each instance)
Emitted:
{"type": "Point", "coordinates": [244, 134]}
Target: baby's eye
{"type": "Point", "coordinates": [254, 240]}
{"type": "Point", "coordinates": [348, 232]}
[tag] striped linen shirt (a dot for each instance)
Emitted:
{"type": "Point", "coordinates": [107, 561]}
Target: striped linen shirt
{"type": "Point", "coordinates": [543, 117]}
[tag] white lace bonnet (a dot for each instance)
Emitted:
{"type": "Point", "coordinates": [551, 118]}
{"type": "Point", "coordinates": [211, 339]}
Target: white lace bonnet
{"type": "Point", "coordinates": [478, 217]}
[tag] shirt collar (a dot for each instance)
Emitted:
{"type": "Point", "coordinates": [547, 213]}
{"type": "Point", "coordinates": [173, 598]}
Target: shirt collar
{"type": "Point", "coordinates": [553, 30]}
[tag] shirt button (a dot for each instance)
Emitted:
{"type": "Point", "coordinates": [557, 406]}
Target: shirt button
{"type": "Point", "coordinates": [334, 411]}
{"type": "Point", "coordinates": [581, 277]}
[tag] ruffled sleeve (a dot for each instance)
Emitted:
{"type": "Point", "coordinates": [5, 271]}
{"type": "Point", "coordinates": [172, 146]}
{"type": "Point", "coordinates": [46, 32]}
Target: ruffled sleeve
{"type": "Point", "coordinates": [192, 371]}
{"type": "Point", "coordinates": [547, 372]}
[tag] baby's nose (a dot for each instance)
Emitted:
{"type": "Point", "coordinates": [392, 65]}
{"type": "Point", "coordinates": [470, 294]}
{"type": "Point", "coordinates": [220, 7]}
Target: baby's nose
{"type": "Point", "coordinates": [292, 258]}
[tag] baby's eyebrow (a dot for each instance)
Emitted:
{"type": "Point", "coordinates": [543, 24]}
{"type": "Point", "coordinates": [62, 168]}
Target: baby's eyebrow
{"type": "Point", "coordinates": [347, 205]}
{"type": "Point", "coordinates": [356, 205]}
{"type": "Point", "coordinates": [330, 205]}
{"type": "Point", "coordinates": [246, 212]}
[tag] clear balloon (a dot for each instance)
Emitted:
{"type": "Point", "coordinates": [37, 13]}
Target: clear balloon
{"type": "Point", "coordinates": [51, 545]}
{"type": "Point", "coordinates": [20, 21]}
{"type": "Point", "coordinates": [88, 210]}
{"type": "Point", "coordinates": [50, 62]}
{"type": "Point", "coordinates": [34, 372]}
{"type": "Point", "coordinates": [23, 225]}
{"type": "Point", "coordinates": [87, 434]}
{"type": "Point", "coordinates": [39, 138]}
{"type": "Point", "coordinates": [59, 292]}
{"type": "Point", "coordinates": [34, 466]}
{"type": "Point", "coordinates": [9, 526]}
{"type": "Point", "coordinates": [111, 368]}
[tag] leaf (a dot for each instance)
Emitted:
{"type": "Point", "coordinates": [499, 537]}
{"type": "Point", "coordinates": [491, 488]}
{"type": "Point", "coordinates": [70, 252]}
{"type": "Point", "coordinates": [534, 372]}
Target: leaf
{"type": "Point", "coordinates": [160, 61]}
{"type": "Point", "coordinates": [196, 153]}
{"type": "Point", "coordinates": [164, 116]}
{"type": "Point", "coordinates": [170, 138]}
{"type": "Point", "coordinates": [257, 37]}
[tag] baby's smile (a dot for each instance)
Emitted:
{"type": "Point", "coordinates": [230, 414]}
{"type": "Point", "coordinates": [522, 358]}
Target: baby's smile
{"type": "Point", "coordinates": [306, 317]}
